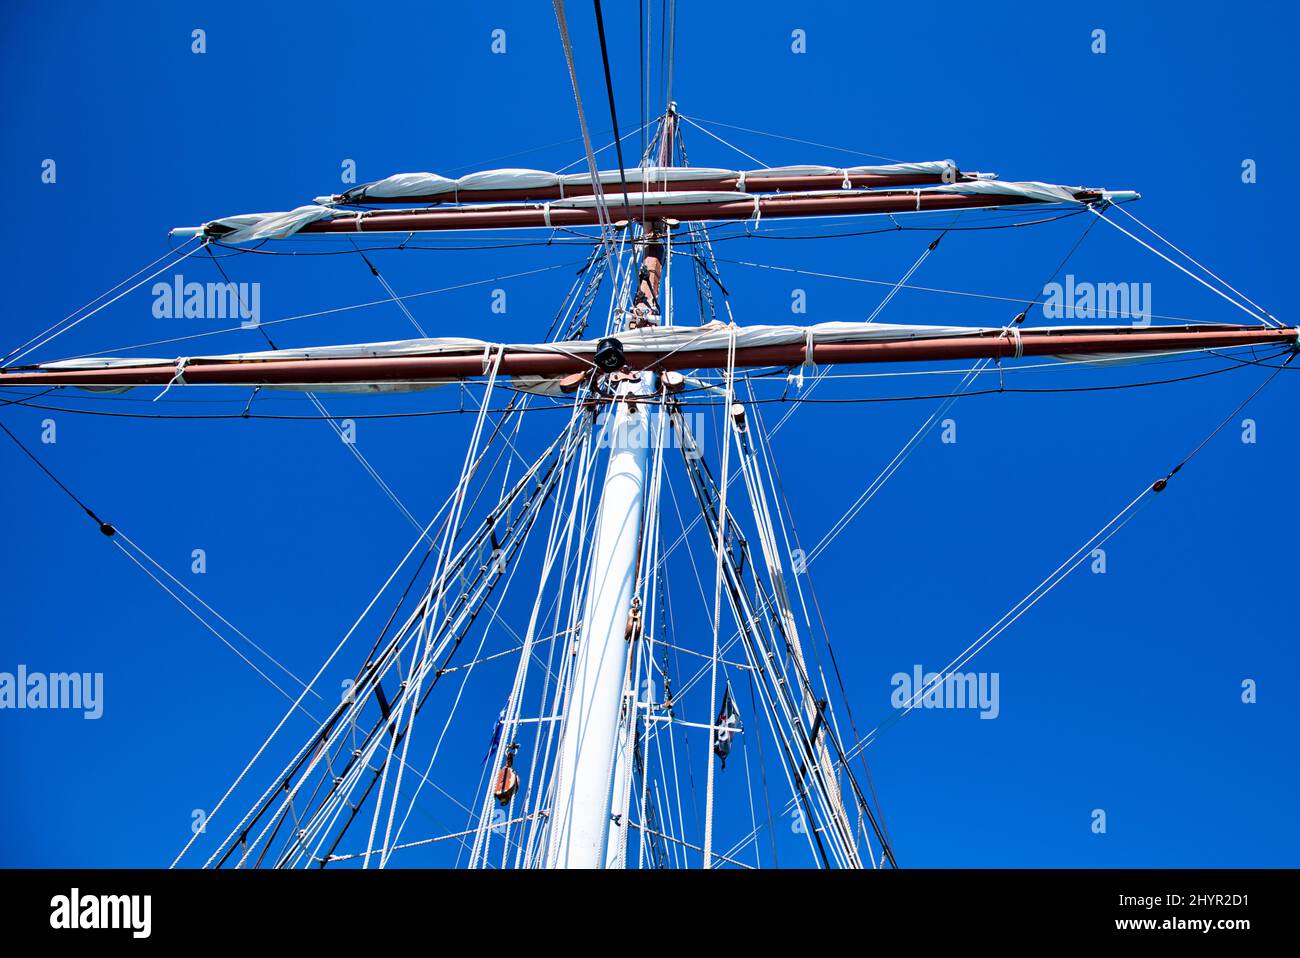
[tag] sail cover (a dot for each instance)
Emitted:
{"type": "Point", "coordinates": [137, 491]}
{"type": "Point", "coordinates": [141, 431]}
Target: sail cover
{"type": "Point", "coordinates": [401, 185]}
{"type": "Point", "coordinates": [418, 363]}
{"type": "Point", "coordinates": [1031, 189]}
{"type": "Point", "coordinates": [251, 227]}
{"type": "Point", "coordinates": [715, 335]}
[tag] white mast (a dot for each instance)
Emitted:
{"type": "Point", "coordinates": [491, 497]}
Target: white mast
{"type": "Point", "coordinates": [592, 764]}
{"type": "Point", "coordinates": [583, 795]}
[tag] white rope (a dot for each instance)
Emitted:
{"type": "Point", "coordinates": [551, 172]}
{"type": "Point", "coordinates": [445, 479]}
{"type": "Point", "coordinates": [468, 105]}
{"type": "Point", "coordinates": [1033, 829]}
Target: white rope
{"type": "Point", "coordinates": [392, 294]}
{"type": "Point", "coordinates": [721, 548]}
{"type": "Point", "coordinates": [791, 139]}
{"type": "Point", "coordinates": [598, 190]}
{"type": "Point", "coordinates": [382, 667]}
{"type": "Point", "coordinates": [1199, 264]}
{"type": "Point", "coordinates": [448, 628]}
{"type": "Point", "coordinates": [1032, 598]}
{"type": "Point", "coordinates": [224, 621]}
{"type": "Point", "coordinates": [514, 701]}
{"type": "Point", "coordinates": [179, 377]}
{"type": "Point", "coordinates": [1017, 300]}
{"type": "Point", "coordinates": [365, 464]}
{"type": "Point", "coordinates": [50, 333]}
{"type": "Point", "coordinates": [311, 742]}
{"type": "Point", "coordinates": [842, 832]}
{"type": "Point", "coordinates": [1180, 266]}
{"type": "Point", "coordinates": [732, 146]}
{"type": "Point", "coordinates": [413, 692]}
{"type": "Point", "coordinates": [327, 312]}
{"type": "Point", "coordinates": [329, 659]}
{"type": "Point", "coordinates": [451, 714]}
{"type": "Point", "coordinates": [202, 621]}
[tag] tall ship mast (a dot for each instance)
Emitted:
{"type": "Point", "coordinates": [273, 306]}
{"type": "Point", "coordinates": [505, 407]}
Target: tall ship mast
{"type": "Point", "coordinates": [627, 735]}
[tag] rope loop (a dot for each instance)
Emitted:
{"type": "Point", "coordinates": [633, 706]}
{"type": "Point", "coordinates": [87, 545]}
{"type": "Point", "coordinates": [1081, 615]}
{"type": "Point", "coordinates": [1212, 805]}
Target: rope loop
{"type": "Point", "coordinates": [178, 378]}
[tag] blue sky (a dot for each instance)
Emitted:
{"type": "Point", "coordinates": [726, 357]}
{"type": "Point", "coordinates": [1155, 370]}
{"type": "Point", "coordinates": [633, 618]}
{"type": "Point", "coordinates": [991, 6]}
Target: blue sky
{"type": "Point", "coordinates": [1119, 691]}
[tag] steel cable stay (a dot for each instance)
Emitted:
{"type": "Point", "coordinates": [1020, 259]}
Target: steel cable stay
{"type": "Point", "coordinates": [558, 534]}
{"type": "Point", "coordinates": [1058, 575]}
{"type": "Point", "coordinates": [749, 442]}
{"type": "Point", "coordinates": [553, 327]}
{"type": "Point", "coordinates": [1263, 320]}
{"type": "Point", "coordinates": [260, 805]}
{"type": "Point", "coordinates": [315, 314]}
{"type": "Point", "coordinates": [1123, 209]}
{"type": "Point", "coordinates": [138, 556]}
{"type": "Point", "coordinates": [510, 719]}
{"type": "Point", "coordinates": [697, 120]}
{"type": "Point", "coordinates": [876, 485]}
{"type": "Point", "coordinates": [786, 724]}
{"type": "Point", "coordinates": [143, 560]}
{"type": "Point", "coordinates": [63, 325]}
{"type": "Point", "coordinates": [471, 600]}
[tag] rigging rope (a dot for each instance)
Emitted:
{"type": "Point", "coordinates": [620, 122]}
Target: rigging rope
{"type": "Point", "coordinates": [1218, 292]}
{"type": "Point", "coordinates": [392, 293]}
{"type": "Point", "coordinates": [609, 92]}
{"type": "Point", "coordinates": [1121, 518]}
{"type": "Point", "coordinates": [118, 537]}
{"type": "Point", "coordinates": [778, 136]}
{"type": "Point", "coordinates": [721, 548]}
{"type": "Point", "coordinates": [602, 211]}
{"type": "Point", "coordinates": [24, 346]}
{"type": "Point", "coordinates": [43, 338]}
{"type": "Point", "coordinates": [752, 159]}
{"type": "Point", "coordinates": [332, 311]}
{"type": "Point", "coordinates": [1134, 218]}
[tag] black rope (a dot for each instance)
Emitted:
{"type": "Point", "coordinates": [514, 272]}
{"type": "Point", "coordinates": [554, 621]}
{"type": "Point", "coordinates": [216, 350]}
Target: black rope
{"type": "Point", "coordinates": [104, 527]}
{"type": "Point", "coordinates": [609, 91]}
{"type": "Point", "coordinates": [222, 270]}
{"type": "Point", "coordinates": [1159, 484]}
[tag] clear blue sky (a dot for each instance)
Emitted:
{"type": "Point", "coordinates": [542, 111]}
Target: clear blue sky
{"type": "Point", "coordinates": [1119, 691]}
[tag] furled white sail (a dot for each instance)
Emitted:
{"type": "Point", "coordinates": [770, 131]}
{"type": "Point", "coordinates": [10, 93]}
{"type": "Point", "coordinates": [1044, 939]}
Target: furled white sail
{"type": "Point", "coordinates": [249, 227]}
{"type": "Point", "coordinates": [401, 185]}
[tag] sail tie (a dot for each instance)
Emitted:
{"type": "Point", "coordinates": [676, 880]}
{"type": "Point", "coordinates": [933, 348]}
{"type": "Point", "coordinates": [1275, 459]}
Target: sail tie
{"type": "Point", "coordinates": [178, 378]}
{"type": "Point", "coordinates": [1017, 344]}
{"type": "Point", "coordinates": [740, 183]}
{"type": "Point", "coordinates": [546, 215]}
{"type": "Point", "coordinates": [808, 367]}
{"type": "Point", "coordinates": [758, 210]}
